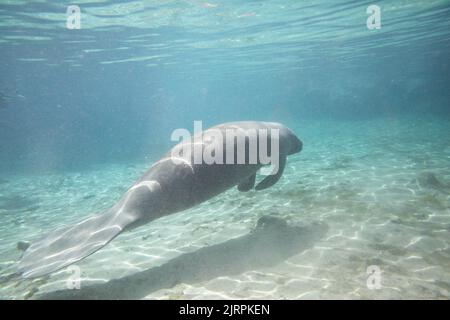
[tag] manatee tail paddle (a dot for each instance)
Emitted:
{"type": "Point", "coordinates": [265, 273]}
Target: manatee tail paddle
{"type": "Point", "coordinates": [70, 244]}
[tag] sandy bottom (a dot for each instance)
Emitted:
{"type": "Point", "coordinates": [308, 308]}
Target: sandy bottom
{"type": "Point", "coordinates": [366, 193]}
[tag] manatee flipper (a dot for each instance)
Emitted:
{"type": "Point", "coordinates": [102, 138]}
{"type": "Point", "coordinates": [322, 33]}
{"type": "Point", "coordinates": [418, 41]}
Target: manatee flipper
{"type": "Point", "coordinates": [70, 244]}
{"type": "Point", "coordinates": [272, 179]}
{"type": "Point", "coordinates": [247, 184]}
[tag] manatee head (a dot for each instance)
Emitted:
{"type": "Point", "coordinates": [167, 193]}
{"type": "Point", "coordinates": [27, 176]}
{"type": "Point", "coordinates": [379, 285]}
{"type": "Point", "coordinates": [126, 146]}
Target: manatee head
{"type": "Point", "coordinates": [289, 141]}
{"type": "Point", "coordinates": [295, 144]}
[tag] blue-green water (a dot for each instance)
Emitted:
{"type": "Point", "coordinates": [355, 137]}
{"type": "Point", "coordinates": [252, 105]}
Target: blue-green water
{"type": "Point", "coordinates": [83, 113]}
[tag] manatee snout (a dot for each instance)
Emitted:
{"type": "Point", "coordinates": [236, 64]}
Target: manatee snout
{"type": "Point", "coordinates": [297, 145]}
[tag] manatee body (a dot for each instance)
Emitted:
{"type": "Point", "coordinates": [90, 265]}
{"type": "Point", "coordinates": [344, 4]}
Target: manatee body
{"type": "Point", "coordinates": [174, 183]}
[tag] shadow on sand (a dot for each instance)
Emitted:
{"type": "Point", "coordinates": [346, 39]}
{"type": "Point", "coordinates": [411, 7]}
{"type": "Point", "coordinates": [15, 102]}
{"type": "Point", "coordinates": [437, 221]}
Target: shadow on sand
{"type": "Point", "coordinates": [269, 243]}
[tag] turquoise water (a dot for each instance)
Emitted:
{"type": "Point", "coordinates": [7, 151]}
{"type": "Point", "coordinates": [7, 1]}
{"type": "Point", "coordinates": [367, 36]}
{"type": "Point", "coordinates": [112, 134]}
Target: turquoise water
{"type": "Point", "coordinates": [83, 114]}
